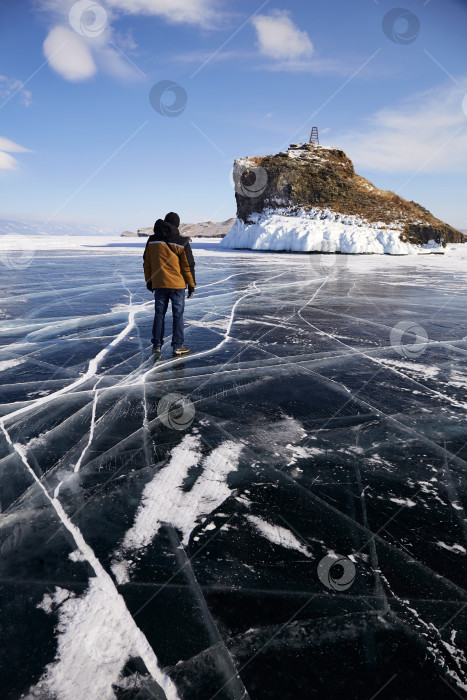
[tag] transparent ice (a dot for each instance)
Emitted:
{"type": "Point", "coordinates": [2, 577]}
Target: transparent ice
{"type": "Point", "coordinates": [144, 558]}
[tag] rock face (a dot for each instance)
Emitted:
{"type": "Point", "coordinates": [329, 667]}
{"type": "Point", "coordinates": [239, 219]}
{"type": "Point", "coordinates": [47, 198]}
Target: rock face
{"type": "Point", "coordinates": [207, 229]}
{"type": "Point", "coordinates": [309, 176]}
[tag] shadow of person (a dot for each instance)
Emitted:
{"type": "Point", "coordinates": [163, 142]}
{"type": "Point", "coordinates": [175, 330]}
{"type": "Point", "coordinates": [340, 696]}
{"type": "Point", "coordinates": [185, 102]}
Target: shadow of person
{"type": "Point", "coordinates": [178, 369]}
{"type": "Point", "coordinates": [174, 367]}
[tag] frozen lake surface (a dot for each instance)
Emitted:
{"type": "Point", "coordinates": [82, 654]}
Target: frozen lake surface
{"type": "Point", "coordinates": [293, 527]}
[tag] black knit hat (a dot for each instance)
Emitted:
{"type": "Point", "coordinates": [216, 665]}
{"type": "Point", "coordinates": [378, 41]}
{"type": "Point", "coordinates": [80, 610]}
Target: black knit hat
{"type": "Point", "coordinates": [172, 218]}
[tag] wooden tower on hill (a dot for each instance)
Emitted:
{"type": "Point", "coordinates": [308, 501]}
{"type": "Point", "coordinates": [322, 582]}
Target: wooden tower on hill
{"type": "Point", "coordinates": [314, 138]}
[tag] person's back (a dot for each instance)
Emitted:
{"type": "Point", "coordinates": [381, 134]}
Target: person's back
{"type": "Point", "coordinates": [168, 268]}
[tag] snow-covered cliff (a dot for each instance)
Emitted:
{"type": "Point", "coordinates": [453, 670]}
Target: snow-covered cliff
{"type": "Point", "coordinates": [310, 199]}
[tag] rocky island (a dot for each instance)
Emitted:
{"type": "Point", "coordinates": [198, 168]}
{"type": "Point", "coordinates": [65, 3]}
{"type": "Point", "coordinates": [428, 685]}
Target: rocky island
{"type": "Point", "coordinates": [310, 199]}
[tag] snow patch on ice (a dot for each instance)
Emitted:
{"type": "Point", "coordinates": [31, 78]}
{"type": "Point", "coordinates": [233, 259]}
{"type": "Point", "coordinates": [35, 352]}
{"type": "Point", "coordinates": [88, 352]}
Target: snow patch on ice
{"type": "Point", "coordinates": [93, 645]}
{"type": "Point", "coordinates": [76, 556]}
{"type": "Point", "coordinates": [163, 495]}
{"type": "Point", "coordinates": [458, 379]}
{"type": "Point", "coordinates": [404, 502]}
{"type": "Point", "coordinates": [456, 548]}
{"type": "Point", "coordinates": [453, 662]}
{"type": "Point", "coordinates": [7, 364]}
{"type": "Point", "coordinates": [164, 501]}
{"type": "Point", "coordinates": [121, 571]}
{"type": "Point", "coordinates": [427, 370]}
{"type": "Point", "coordinates": [299, 452]}
{"type": "Point", "coordinates": [277, 535]}
{"type": "Point", "coordinates": [73, 675]}
{"type": "Point", "coordinates": [50, 601]}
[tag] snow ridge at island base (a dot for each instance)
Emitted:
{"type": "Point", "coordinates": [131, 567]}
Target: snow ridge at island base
{"type": "Point", "coordinates": [319, 231]}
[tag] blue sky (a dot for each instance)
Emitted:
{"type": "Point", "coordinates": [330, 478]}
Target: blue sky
{"type": "Point", "coordinates": [79, 138]}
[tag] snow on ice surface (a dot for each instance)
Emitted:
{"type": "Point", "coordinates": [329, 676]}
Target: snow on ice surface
{"type": "Point", "coordinates": [94, 621]}
{"type": "Point", "coordinates": [164, 501]}
{"type": "Point", "coordinates": [317, 230]}
{"type": "Point", "coordinates": [277, 535]}
{"type": "Point", "coordinates": [454, 548]}
{"type": "Point", "coordinates": [6, 364]}
{"type": "Point", "coordinates": [94, 643]}
{"type": "Point", "coordinates": [129, 548]}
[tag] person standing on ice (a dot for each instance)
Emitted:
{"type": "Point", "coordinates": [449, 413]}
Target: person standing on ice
{"type": "Point", "coordinates": [169, 267]}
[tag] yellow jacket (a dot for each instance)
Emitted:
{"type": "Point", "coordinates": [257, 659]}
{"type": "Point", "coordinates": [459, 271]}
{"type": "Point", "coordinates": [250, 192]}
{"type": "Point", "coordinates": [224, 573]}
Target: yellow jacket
{"type": "Point", "coordinates": [168, 259]}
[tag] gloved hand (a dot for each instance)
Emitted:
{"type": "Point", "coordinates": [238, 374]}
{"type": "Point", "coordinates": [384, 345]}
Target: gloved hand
{"type": "Point", "coordinates": [191, 291]}
{"type": "Point", "coordinates": [149, 286]}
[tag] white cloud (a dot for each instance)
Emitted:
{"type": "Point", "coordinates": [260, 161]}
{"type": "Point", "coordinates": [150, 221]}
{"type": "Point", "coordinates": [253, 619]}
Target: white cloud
{"type": "Point", "coordinates": [7, 162]}
{"type": "Point", "coordinates": [188, 11]}
{"type": "Point", "coordinates": [125, 41]}
{"type": "Point", "coordinates": [315, 66]}
{"type": "Point", "coordinates": [249, 61]}
{"type": "Point", "coordinates": [11, 146]}
{"type": "Point", "coordinates": [279, 38]}
{"type": "Point", "coordinates": [113, 64]}
{"type": "Point", "coordinates": [68, 55]}
{"type": "Point", "coordinates": [76, 57]}
{"type": "Point", "coordinates": [76, 46]}
{"type": "Point", "coordinates": [201, 12]}
{"type": "Point", "coordinates": [11, 86]}
{"type": "Point", "coordinates": [426, 131]}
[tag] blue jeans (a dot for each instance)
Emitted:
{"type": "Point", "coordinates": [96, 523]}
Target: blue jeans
{"type": "Point", "coordinates": [161, 299]}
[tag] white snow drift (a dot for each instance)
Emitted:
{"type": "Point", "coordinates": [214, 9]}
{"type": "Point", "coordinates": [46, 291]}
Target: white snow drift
{"type": "Point", "coordinates": [318, 230]}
